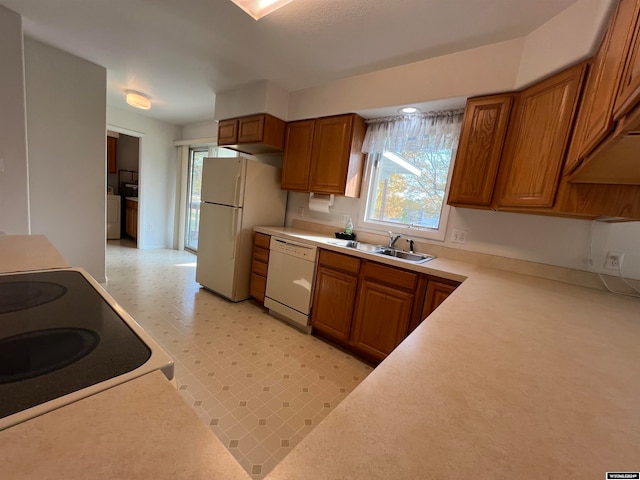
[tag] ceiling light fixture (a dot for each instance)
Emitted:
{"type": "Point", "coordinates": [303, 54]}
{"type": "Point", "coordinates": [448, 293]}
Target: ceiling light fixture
{"type": "Point", "coordinates": [408, 110]}
{"type": "Point", "coordinates": [138, 100]}
{"type": "Point", "coordinates": [259, 8]}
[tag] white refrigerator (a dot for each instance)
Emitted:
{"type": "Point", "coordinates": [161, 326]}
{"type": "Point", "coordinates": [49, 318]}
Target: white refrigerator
{"type": "Point", "coordinates": [237, 195]}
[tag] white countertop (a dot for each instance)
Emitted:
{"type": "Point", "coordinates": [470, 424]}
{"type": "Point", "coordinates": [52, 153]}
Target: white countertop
{"type": "Point", "coordinates": [21, 253]}
{"type": "Point", "coordinates": [141, 429]}
{"type": "Point", "coordinates": [512, 376]}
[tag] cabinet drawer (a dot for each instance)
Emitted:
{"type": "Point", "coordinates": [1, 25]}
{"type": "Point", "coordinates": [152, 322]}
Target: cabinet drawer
{"type": "Point", "coordinates": [338, 261]}
{"type": "Point", "coordinates": [260, 254]}
{"type": "Point", "coordinates": [257, 287]}
{"type": "Point", "coordinates": [262, 240]}
{"type": "Point", "coordinates": [259, 268]}
{"type": "Point", "coordinates": [392, 276]}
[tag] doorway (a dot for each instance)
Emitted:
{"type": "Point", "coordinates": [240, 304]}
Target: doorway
{"type": "Point", "coordinates": [194, 185]}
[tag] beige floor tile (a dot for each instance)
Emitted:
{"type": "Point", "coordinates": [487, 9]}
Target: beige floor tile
{"type": "Point", "coordinates": [227, 353]}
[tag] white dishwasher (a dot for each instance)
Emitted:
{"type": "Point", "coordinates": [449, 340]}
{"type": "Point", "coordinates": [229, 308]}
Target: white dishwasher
{"type": "Point", "coordinates": [292, 268]}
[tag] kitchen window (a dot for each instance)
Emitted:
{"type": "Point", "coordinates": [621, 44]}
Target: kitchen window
{"type": "Point", "coordinates": [408, 171]}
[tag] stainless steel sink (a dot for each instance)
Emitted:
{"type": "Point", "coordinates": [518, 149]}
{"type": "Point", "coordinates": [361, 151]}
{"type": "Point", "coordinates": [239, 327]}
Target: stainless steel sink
{"type": "Point", "coordinates": [404, 255]}
{"type": "Point", "coordinates": [365, 247]}
{"type": "Point", "coordinates": [382, 250]}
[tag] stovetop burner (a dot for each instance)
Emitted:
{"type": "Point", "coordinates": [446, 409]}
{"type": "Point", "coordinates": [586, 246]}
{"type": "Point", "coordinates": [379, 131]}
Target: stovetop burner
{"type": "Point", "coordinates": [59, 335]}
{"type": "Point", "coordinates": [16, 296]}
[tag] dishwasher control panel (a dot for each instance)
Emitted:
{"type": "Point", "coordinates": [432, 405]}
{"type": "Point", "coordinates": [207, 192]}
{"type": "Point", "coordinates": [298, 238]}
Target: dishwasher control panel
{"type": "Point", "coordinates": [300, 250]}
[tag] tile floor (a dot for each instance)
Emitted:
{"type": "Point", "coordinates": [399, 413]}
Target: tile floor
{"type": "Point", "coordinates": [259, 384]}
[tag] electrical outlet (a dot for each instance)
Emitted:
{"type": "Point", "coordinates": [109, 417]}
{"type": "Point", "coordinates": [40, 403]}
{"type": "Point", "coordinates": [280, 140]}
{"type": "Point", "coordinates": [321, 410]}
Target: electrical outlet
{"type": "Point", "coordinates": [613, 261]}
{"type": "Point", "coordinates": [458, 236]}
{"type": "Point", "coordinates": [301, 212]}
{"type": "Point", "coordinates": [149, 226]}
{"type": "Point", "coordinates": [344, 218]}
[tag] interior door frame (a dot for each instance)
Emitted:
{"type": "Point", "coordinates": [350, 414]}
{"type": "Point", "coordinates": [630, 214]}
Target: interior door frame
{"type": "Point", "coordinates": [141, 148]}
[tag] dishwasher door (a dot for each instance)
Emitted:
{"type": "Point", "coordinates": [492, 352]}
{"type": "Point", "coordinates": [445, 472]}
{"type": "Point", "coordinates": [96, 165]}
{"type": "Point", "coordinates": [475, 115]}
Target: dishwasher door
{"type": "Point", "coordinates": [290, 281]}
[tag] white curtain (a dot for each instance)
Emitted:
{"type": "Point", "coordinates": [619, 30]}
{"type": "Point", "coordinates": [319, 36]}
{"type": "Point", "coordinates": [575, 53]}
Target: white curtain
{"type": "Point", "coordinates": [430, 131]}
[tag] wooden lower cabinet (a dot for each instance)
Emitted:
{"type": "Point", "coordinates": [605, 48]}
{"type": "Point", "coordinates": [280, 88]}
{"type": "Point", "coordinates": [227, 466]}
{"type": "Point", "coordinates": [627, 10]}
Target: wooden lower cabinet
{"type": "Point", "coordinates": [368, 307]}
{"type": "Point", "coordinates": [131, 219]}
{"type": "Point", "coordinates": [382, 318]}
{"type": "Point", "coordinates": [259, 266]}
{"type": "Point", "coordinates": [333, 303]}
{"type": "Point", "coordinates": [335, 295]}
{"type": "Point", "coordinates": [437, 292]}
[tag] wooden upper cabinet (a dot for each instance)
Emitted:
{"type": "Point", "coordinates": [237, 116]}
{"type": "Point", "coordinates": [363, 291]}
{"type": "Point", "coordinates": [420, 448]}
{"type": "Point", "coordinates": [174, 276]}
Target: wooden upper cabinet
{"type": "Point", "coordinates": [112, 163]}
{"type": "Point", "coordinates": [324, 155]}
{"type": "Point", "coordinates": [537, 140]}
{"type": "Point", "coordinates": [629, 91]}
{"type": "Point", "coordinates": [251, 129]}
{"type": "Point", "coordinates": [331, 149]}
{"type": "Point", "coordinates": [228, 132]}
{"type": "Point", "coordinates": [479, 150]}
{"type": "Point", "coordinates": [253, 134]}
{"type": "Point", "coordinates": [296, 164]}
{"type": "Point", "coordinates": [595, 120]}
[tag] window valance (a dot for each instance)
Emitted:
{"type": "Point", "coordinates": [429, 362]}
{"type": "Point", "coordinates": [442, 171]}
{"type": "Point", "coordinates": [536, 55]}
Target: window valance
{"type": "Point", "coordinates": [433, 131]}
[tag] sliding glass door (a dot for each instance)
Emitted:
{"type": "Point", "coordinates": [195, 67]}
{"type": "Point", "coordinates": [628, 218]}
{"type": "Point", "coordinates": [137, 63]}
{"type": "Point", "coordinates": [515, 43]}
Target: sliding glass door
{"type": "Point", "coordinates": [194, 184]}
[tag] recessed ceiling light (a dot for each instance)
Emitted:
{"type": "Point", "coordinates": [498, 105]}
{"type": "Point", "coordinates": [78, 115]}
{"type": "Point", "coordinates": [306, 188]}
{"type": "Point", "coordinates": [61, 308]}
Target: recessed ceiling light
{"type": "Point", "coordinates": [408, 110]}
{"type": "Point", "coordinates": [259, 8]}
{"type": "Point", "coordinates": [138, 100]}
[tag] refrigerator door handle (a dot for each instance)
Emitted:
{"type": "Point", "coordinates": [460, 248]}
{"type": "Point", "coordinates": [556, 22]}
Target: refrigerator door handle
{"type": "Point", "coordinates": [237, 191]}
{"type": "Point", "coordinates": [234, 233]}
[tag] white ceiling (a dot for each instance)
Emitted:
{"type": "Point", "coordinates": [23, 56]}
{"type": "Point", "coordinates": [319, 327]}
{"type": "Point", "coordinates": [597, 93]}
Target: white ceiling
{"type": "Point", "coordinates": [182, 52]}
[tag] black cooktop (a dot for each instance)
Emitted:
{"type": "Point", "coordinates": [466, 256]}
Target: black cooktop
{"type": "Point", "coordinates": [58, 335]}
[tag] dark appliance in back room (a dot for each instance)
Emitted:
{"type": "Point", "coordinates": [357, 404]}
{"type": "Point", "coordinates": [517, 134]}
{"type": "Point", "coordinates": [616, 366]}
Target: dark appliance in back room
{"type": "Point", "coordinates": [63, 338]}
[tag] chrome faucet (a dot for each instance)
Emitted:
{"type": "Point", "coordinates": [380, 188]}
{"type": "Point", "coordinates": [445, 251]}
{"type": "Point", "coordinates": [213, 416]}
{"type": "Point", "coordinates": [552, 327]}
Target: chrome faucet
{"type": "Point", "coordinates": [393, 238]}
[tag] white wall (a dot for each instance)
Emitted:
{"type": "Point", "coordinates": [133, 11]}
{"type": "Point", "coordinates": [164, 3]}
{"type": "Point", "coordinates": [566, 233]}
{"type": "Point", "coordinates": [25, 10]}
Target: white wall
{"type": "Point", "coordinates": [200, 130]}
{"type": "Point", "coordinates": [256, 97]}
{"type": "Point", "coordinates": [550, 240]}
{"type": "Point", "coordinates": [14, 189]}
{"type": "Point", "coordinates": [570, 36]}
{"type": "Point", "coordinates": [471, 72]}
{"type": "Point", "coordinates": [158, 173]}
{"type": "Point", "coordinates": [66, 110]}
{"type": "Point", "coordinates": [567, 38]}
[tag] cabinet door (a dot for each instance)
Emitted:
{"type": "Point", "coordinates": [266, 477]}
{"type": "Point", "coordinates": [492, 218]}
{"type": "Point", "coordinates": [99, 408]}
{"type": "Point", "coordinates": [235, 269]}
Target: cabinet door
{"type": "Point", "coordinates": [333, 302]}
{"type": "Point", "coordinates": [478, 158]}
{"type": "Point", "coordinates": [112, 145]}
{"type": "Point", "coordinates": [381, 319]}
{"type": "Point", "coordinates": [330, 154]}
{"type": "Point", "coordinates": [296, 164]}
{"type": "Point", "coordinates": [437, 292]}
{"type": "Point", "coordinates": [259, 266]}
{"type": "Point", "coordinates": [251, 129]}
{"type": "Point", "coordinates": [537, 140]}
{"type": "Point", "coordinates": [228, 132]}
{"type": "Point", "coordinates": [595, 119]}
{"type": "Point", "coordinates": [629, 91]}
